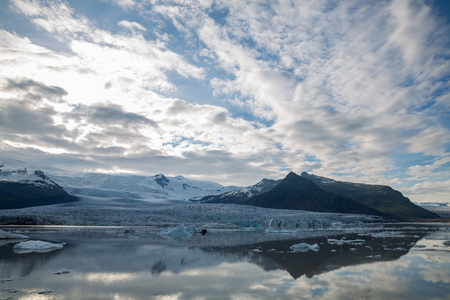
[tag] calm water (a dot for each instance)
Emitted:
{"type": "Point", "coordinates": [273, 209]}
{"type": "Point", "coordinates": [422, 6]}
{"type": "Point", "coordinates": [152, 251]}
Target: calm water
{"type": "Point", "coordinates": [106, 263]}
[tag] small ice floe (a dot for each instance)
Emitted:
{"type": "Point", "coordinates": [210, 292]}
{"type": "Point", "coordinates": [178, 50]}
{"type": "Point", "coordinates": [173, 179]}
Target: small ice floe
{"type": "Point", "coordinates": [374, 256]}
{"type": "Point", "coordinates": [4, 235]}
{"type": "Point", "coordinates": [5, 279]}
{"type": "Point", "coordinates": [337, 225]}
{"type": "Point", "coordinates": [352, 249]}
{"type": "Point", "coordinates": [60, 272]}
{"type": "Point", "coordinates": [180, 230]}
{"type": "Point", "coordinates": [420, 246]}
{"type": "Point", "coordinates": [387, 234]}
{"type": "Point", "coordinates": [342, 242]}
{"type": "Point", "coordinates": [35, 246]}
{"type": "Point", "coordinates": [304, 247]}
{"type": "Point", "coordinates": [281, 231]}
{"type": "Point", "coordinates": [257, 250]}
{"type": "Point", "coordinates": [45, 292]}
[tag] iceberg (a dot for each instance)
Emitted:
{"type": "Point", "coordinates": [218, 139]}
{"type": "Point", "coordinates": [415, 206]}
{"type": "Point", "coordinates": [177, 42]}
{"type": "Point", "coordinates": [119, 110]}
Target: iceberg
{"type": "Point", "coordinates": [180, 230]}
{"type": "Point", "coordinates": [8, 235]}
{"type": "Point", "coordinates": [342, 242]}
{"type": "Point", "coordinates": [304, 247]}
{"type": "Point", "coordinates": [35, 246]}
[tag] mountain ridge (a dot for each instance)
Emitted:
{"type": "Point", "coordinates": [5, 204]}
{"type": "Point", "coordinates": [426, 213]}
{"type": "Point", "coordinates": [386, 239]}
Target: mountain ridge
{"type": "Point", "coordinates": [295, 192]}
{"type": "Point", "coordinates": [383, 198]}
{"type": "Point", "coordinates": [33, 190]}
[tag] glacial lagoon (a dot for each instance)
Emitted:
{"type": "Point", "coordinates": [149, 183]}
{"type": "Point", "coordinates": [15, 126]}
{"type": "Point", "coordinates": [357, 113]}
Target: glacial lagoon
{"type": "Point", "coordinates": [397, 261]}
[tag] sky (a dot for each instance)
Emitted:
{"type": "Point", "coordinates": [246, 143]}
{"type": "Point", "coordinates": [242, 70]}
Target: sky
{"type": "Point", "coordinates": [231, 91]}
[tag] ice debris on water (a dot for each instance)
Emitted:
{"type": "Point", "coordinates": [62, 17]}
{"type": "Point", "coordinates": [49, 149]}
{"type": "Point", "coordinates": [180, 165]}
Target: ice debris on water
{"type": "Point", "coordinates": [387, 234]}
{"type": "Point", "coordinates": [257, 250]}
{"type": "Point", "coordinates": [8, 235]}
{"type": "Point", "coordinates": [180, 230]}
{"type": "Point", "coordinates": [36, 246]}
{"type": "Point", "coordinates": [304, 247]}
{"type": "Point", "coordinates": [337, 225]}
{"type": "Point", "coordinates": [281, 231]}
{"type": "Point", "coordinates": [343, 241]}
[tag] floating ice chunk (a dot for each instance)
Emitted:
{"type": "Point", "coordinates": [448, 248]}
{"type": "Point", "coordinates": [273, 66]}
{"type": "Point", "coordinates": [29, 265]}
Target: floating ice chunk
{"type": "Point", "coordinates": [342, 242]}
{"type": "Point", "coordinates": [61, 272]}
{"type": "Point", "coordinates": [387, 234]}
{"type": "Point", "coordinates": [304, 247]}
{"type": "Point", "coordinates": [282, 231]}
{"type": "Point", "coordinates": [337, 225]}
{"type": "Point", "coordinates": [35, 246]}
{"type": "Point", "coordinates": [9, 235]}
{"type": "Point", "coordinates": [180, 230]}
{"type": "Point", "coordinates": [257, 250]}
{"type": "Point", "coordinates": [374, 256]}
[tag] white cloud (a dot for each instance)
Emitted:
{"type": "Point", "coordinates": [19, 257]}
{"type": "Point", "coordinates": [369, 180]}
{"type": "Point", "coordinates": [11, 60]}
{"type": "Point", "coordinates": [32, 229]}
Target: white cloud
{"type": "Point", "coordinates": [131, 25]}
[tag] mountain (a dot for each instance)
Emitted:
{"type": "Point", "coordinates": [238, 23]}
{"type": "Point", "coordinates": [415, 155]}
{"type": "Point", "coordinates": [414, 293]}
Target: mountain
{"type": "Point", "coordinates": [296, 192]}
{"type": "Point", "coordinates": [25, 190]}
{"type": "Point", "coordinates": [382, 198]}
{"type": "Point", "coordinates": [156, 188]}
{"type": "Point", "coordinates": [243, 194]}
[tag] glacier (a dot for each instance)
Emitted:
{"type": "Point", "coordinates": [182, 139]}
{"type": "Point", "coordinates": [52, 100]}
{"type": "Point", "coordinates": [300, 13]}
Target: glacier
{"type": "Point", "coordinates": [95, 211]}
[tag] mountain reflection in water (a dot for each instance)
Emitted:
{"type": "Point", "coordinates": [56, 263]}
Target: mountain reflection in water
{"type": "Point", "coordinates": [137, 265]}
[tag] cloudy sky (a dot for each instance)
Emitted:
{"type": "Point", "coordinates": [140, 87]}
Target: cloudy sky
{"type": "Point", "coordinates": [231, 91]}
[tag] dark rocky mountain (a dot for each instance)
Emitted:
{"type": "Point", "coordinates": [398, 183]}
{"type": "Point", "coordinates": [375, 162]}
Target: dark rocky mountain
{"type": "Point", "coordinates": [243, 194]}
{"type": "Point", "coordinates": [296, 192]}
{"type": "Point", "coordinates": [382, 198]}
{"type": "Point", "coordinates": [34, 190]}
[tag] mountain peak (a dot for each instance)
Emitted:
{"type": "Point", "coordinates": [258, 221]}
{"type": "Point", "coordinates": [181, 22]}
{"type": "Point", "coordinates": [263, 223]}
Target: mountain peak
{"type": "Point", "coordinates": [161, 180]}
{"type": "Point", "coordinates": [41, 174]}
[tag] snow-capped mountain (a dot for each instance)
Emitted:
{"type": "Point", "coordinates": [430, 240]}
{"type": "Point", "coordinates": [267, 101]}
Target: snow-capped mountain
{"type": "Point", "coordinates": [293, 192]}
{"type": "Point", "coordinates": [158, 187]}
{"type": "Point", "coordinates": [125, 186]}
{"type": "Point", "coordinates": [243, 194]}
{"type": "Point", "coordinates": [19, 189]}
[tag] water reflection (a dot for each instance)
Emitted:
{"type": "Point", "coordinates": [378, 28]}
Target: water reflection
{"type": "Point", "coordinates": [108, 265]}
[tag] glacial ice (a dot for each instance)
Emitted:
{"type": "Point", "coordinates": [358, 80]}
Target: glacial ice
{"type": "Point", "coordinates": [304, 247]}
{"type": "Point", "coordinates": [9, 235]}
{"type": "Point", "coordinates": [126, 212]}
{"type": "Point", "coordinates": [343, 241]}
{"type": "Point", "coordinates": [180, 230]}
{"type": "Point", "coordinates": [35, 246]}
{"type": "Point", "coordinates": [387, 234]}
